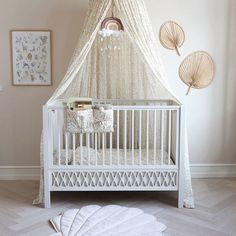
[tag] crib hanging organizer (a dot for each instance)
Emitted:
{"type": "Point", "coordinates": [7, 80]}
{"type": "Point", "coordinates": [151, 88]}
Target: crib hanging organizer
{"type": "Point", "coordinates": [97, 119]}
{"type": "Point", "coordinates": [127, 67]}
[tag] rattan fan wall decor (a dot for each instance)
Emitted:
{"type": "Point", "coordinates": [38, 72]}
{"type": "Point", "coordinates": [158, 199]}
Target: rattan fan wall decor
{"type": "Point", "coordinates": [197, 70]}
{"type": "Point", "coordinates": [172, 36]}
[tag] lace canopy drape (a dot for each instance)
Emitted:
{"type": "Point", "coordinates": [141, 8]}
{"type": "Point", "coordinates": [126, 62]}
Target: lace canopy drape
{"type": "Point", "coordinates": [129, 67]}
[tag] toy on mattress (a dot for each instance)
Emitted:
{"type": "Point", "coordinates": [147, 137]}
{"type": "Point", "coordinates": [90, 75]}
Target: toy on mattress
{"type": "Point", "coordinates": [82, 117]}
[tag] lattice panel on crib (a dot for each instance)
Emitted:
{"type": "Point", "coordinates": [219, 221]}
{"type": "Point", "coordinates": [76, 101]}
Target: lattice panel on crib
{"type": "Point", "coordinates": [114, 179]}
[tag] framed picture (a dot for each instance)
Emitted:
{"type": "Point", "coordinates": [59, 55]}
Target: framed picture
{"type": "Point", "coordinates": [31, 57]}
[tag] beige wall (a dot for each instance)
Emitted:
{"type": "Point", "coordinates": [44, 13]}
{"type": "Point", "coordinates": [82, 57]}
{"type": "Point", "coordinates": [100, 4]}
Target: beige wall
{"type": "Point", "coordinates": [211, 112]}
{"type": "Point", "coordinates": [20, 107]}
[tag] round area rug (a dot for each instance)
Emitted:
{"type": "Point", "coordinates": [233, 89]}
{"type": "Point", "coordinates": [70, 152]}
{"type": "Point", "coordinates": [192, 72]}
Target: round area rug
{"type": "Point", "coordinates": [109, 220]}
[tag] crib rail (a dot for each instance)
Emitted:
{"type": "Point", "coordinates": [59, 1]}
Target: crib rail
{"type": "Point", "coordinates": [146, 133]}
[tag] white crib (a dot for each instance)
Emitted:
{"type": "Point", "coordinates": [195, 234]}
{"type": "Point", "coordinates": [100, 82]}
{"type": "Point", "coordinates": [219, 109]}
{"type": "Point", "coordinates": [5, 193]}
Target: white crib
{"type": "Point", "coordinates": [142, 154]}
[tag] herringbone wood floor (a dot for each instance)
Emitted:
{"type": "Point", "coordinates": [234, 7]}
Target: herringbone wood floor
{"type": "Point", "coordinates": [215, 213]}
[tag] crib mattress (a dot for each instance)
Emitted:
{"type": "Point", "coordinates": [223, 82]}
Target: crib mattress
{"type": "Point", "coordinates": [112, 157]}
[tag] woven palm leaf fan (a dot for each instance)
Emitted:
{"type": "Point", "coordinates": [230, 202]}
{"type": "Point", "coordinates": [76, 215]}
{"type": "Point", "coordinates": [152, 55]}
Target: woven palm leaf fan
{"type": "Point", "coordinates": [172, 36]}
{"type": "Point", "coordinates": [197, 70]}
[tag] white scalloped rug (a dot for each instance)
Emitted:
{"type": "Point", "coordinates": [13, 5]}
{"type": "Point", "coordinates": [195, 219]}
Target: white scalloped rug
{"type": "Point", "coordinates": [109, 220]}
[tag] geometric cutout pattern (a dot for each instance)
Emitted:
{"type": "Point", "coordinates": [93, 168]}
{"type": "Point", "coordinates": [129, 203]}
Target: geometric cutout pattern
{"type": "Point", "coordinates": [115, 179]}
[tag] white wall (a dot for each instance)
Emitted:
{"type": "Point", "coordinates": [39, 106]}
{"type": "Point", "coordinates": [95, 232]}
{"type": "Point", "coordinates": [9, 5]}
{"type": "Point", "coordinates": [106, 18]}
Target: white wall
{"type": "Point", "coordinates": [209, 25]}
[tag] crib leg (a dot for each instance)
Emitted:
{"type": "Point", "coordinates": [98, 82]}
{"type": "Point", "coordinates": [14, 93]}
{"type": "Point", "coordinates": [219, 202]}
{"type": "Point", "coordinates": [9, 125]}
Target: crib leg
{"type": "Point", "coordinates": [180, 190]}
{"type": "Point", "coordinates": [47, 199]}
{"type": "Point", "coordinates": [181, 158]}
{"type": "Point", "coordinates": [180, 199]}
{"type": "Point", "coordinates": [180, 185]}
{"type": "Point", "coordinates": [47, 192]}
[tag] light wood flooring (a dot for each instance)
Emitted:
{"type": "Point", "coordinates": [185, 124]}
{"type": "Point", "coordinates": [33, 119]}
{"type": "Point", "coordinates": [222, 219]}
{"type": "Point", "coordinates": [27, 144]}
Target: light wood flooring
{"type": "Point", "coordinates": [215, 213]}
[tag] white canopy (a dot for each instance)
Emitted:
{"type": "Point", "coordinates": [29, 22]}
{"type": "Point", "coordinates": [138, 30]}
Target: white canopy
{"type": "Point", "coordinates": [130, 67]}
{"type": "Point", "coordinates": [137, 63]}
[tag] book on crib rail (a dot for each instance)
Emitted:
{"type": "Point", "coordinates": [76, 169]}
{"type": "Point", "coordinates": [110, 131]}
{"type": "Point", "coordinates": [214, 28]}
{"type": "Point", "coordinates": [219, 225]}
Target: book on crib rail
{"type": "Point", "coordinates": [81, 107]}
{"type": "Point", "coordinates": [79, 104]}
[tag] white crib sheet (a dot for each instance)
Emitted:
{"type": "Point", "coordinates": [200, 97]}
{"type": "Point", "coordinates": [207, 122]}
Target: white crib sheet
{"type": "Point", "coordinates": [111, 157]}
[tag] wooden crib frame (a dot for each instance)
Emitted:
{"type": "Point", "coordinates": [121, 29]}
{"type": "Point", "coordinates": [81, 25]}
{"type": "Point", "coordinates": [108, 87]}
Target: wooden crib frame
{"type": "Point", "coordinates": [142, 176]}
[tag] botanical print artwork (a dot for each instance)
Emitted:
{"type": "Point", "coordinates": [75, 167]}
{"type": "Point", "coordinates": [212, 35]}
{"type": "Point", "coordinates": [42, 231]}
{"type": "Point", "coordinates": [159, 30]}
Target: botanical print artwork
{"type": "Point", "coordinates": [31, 57]}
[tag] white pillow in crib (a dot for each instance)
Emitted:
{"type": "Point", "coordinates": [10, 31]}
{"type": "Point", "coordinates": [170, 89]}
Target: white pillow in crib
{"type": "Point", "coordinates": [87, 153]}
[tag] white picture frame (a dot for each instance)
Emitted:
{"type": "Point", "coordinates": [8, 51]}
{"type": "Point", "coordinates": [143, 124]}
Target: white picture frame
{"type": "Point", "coordinates": [31, 57]}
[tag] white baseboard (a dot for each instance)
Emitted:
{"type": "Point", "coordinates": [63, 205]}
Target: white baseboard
{"type": "Point", "coordinates": [197, 171]}
{"type": "Point", "coordinates": [213, 170]}
{"type": "Point", "coordinates": [19, 172]}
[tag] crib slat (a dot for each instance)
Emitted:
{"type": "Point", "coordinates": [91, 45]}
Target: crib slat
{"type": "Point", "coordinates": [155, 137]}
{"type": "Point", "coordinates": [147, 144]}
{"type": "Point", "coordinates": [162, 136]}
{"type": "Point", "coordinates": [81, 148]}
{"type": "Point", "coordinates": [105, 144]}
{"type": "Point", "coordinates": [96, 148]}
{"type": "Point", "coordinates": [73, 137]}
{"type": "Point", "coordinates": [169, 138]}
{"type": "Point", "coordinates": [110, 148]}
{"type": "Point", "coordinates": [125, 137]}
{"type": "Point", "coordinates": [140, 137]}
{"type": "Point", "coordinates": [59, 136]}
{"type": "Point", "coordinates": [99, 140]}
{"type": "Point", "coordinates": [118, 136]}
{"type": "Point", "coordinates": [132, 136]}
{"type": "Point", "coordinates": [66, 141]}
{"type": "Point", "coordinates": [92, 140]}
{"type": "Point", "coordinates": [103, 149]}
{"type": "Point", "coordinates": [88, 146]}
